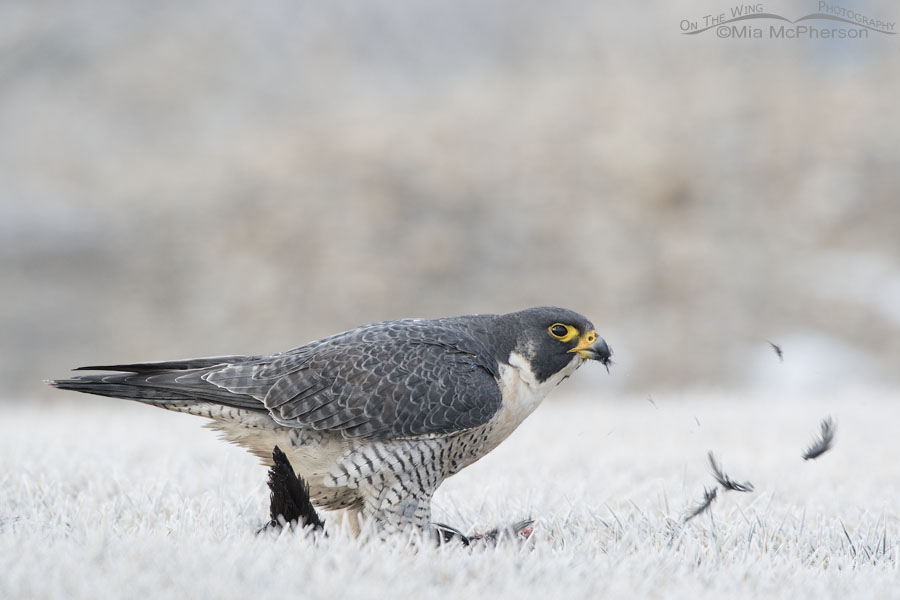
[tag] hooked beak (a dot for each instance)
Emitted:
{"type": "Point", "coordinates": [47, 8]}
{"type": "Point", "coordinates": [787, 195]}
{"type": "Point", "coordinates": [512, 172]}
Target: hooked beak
{"type": "Point", "coordinates": [593, 347]}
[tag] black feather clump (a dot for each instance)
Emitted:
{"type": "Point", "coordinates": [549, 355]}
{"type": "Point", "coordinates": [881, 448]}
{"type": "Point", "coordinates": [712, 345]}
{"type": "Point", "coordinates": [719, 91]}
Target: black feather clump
{"type": "Point", "coordinates": [709, 495]}
{"type": "Point", "coordinates": [289, 496]}
{"type": "Point", "coordinates": [823, 443]}
{"type": "Point", "coordinates": [724, 480]}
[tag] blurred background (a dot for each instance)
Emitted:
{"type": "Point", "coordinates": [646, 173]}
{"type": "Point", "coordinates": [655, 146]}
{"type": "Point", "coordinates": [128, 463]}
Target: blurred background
{"type": "Point", "coordinates": [229, 176]}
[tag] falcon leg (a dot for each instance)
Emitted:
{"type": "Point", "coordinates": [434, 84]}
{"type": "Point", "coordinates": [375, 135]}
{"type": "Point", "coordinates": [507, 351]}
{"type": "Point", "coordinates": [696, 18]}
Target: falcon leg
{"type": "Point", "coordinates": [396, 505]}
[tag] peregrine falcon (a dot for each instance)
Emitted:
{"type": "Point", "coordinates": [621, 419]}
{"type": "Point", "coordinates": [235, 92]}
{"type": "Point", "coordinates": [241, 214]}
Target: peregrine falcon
{"type": "Point", "coordinates": [374, 418]}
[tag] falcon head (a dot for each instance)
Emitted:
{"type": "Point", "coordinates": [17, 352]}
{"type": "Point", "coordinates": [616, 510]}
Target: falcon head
{"type": "Point", "coordinates": [553, 341]}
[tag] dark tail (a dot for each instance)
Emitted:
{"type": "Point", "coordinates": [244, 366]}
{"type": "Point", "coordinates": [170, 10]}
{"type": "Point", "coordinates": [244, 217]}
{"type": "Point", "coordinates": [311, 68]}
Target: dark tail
{"type": "Point", "coordinates": [166, 384]}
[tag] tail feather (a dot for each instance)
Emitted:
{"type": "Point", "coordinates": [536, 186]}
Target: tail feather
{"type": "Point", "coordinates": [96, 385]}
{"type": "Point", "coordinates": [172, 365]}
{"type": "Point", "coordinates": [162, 383]}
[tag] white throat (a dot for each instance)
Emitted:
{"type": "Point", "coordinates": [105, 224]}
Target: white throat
{"type": "Point", "coordinates": [522, 393]}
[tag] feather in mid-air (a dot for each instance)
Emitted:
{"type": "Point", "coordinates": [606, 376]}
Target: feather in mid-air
{"type": "Point", "coordinates": [823, 443]}
{"type": "Point", "coordinates": [724, 480]}
{"type": "Point", "coordinates": [709, 495]}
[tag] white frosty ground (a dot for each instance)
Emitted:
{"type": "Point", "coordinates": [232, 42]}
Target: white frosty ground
{"type": "Point", "coordinates": [105, 498]}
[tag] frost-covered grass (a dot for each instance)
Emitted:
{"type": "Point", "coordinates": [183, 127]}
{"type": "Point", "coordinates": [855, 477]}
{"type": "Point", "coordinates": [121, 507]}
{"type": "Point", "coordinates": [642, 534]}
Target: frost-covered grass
{"type": "Point", "coordinates": [105, 498]}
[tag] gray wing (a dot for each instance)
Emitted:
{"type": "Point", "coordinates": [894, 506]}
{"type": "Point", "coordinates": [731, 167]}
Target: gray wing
{"type": "Point", "coordinates": [389, 380]}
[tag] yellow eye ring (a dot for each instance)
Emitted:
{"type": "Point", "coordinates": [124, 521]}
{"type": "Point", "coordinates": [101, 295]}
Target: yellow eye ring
{"type": "Point", "coordinates": [563, 332]}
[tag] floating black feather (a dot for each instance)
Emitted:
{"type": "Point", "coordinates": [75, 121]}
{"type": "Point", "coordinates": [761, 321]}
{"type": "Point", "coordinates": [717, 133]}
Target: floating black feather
{"type": "Point", "coordinates": [777, 350]}
{"type": "Point", "coordinates": [709, 495]}
{"type": "Point", "coordinates": [823, 443]}
{"type": "Point", "coordinates": [724, 480]}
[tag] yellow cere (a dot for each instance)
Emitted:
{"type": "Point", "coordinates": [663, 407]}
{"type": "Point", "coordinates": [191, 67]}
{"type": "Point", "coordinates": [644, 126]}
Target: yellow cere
{"type": "Point", "coordinates": [589, 338]}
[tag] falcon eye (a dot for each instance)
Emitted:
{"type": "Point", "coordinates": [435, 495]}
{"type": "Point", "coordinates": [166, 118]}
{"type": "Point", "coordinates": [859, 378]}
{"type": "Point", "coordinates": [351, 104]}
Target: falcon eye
{"type": "Point", "coordinates": [563, 333]}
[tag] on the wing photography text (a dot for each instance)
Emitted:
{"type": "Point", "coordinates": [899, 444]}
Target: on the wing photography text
{"type": "Point", "coordinates": [752, 21]}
